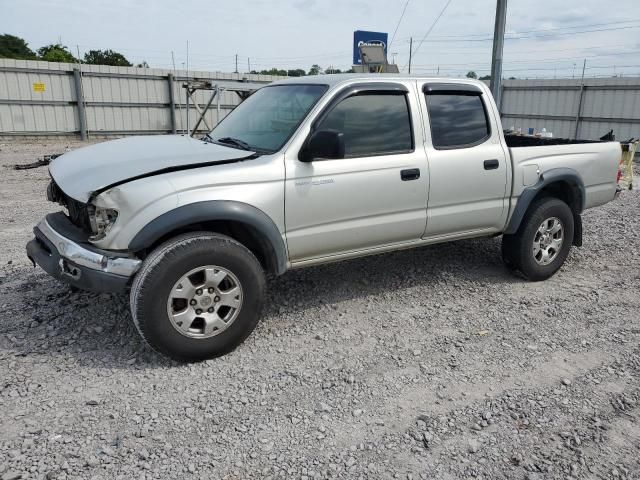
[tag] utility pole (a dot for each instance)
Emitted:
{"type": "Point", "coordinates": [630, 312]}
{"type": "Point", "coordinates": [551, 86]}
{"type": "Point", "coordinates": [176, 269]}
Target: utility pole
{"type": "Point", "coordinates": [410, 51]}
{"type": "Point", "coordinates": [498, 47]}
{"type": "Point", "coordinates": [248, 65]}
{"type": "Point", "coordinates": [236, 63]}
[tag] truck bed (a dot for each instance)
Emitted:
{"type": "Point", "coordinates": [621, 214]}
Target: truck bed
{"type": "Point", "coordinates": [515, 141]}
{"type": "Point", "coordinates": [595, 161]}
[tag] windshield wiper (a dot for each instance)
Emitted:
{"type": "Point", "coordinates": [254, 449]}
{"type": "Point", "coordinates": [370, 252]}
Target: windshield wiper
{"type": "Point", "coordinates": [235, 141]}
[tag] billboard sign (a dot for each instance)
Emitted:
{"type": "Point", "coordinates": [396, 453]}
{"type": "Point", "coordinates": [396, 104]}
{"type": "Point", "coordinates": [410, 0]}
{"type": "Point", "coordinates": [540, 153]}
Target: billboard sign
{"type": "Point", "coordinates": [361, 37]}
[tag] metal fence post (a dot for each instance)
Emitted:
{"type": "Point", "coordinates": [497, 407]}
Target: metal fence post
{"type": "Point", "coordinates": [172, 103]}
{"type": "Point", "coordinates": [580, 100]}
{"type": "Point", "coordinates": [579, 112]}
{"type": "Point", "coordinates": [82, 115]}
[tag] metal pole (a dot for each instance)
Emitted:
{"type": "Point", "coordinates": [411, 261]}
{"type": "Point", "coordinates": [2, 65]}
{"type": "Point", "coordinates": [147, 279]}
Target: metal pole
{"type": "Point", "coordinates": [187, 90]}
{"type": "Point", "coordinates": [172, 103]}
{"type": "Point", "coordinates": [204, 112]}
{"type": "Point", "coordinates": [82, 116]}
{"type": "Point", "coordinates": [236, 63]}
{"type": "Point", "coordinates": [410, 51]}
{"type": "Point", "coordinates": [218, 91]}
{"type": "Point", "coordinates": [580, 99]}
{"type": "Point", "coordinates": [498, 47]}
{"type": "Point", "coordinates": [248, 65]}
{"type": "Point", "coordinates": [173, 61]}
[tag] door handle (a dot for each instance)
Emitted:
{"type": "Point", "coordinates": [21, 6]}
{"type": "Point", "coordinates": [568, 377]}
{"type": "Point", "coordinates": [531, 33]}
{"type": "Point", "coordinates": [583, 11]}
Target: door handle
{"type": "Point", "coordinates": [410, 174]}
{"type": "Point", "coordinates": [491, 164]}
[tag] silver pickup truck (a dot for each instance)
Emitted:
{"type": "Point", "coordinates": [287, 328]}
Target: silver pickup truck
{"type": "Point", "coordinates": [308, 171]}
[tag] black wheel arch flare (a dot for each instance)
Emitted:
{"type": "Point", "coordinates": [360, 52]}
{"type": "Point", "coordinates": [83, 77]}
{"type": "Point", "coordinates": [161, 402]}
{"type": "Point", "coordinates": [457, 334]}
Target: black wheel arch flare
{"type": "Point", "coordinates": [214, 210]}
{"type": "Point", "coordinates": [560, 176]}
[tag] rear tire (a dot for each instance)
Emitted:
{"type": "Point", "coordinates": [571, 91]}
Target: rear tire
{"type": "Point", "coordinates": [542, 243]}
{"type": "Point", "coordinates": [197, 296]}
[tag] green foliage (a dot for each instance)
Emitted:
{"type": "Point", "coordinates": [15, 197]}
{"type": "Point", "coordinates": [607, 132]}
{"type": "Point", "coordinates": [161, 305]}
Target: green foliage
{"type": "Point", "coordinates": [485, 77]}
{"type": "Point", "coordinates": [15, 47]}
{"type": "Point", "coordinates": [56, 53]}
{"type": "Point", "coordinates": [315, 70]}
{"type": "Point", "coordinates": [272, 71]}
{"type": "Point", "coordinates": [106, 57]}
{"type": "Point", "coordinates": [331, 70]}
{"type": "Point", "coordinates": [298, 72]}
{"type": "Point", "coordinates": [472, 74]}
{"type": "Point", "coordinates": [144, 64]}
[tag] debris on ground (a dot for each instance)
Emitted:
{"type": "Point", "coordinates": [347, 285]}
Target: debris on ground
{"type": "Point", "coordinates": [43, 162]}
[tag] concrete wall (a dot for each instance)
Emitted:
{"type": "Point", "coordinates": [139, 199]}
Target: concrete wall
{"type": "Point", "coordinates": [559, 105]}
{"type": "Point", "coordinates": [117, 100]}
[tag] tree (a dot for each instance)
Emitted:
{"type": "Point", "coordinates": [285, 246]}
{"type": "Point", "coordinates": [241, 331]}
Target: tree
{"type": "Point", "coordinates": [298, 72]}
{"type": "Point", "coordinates": [315, 70]}
{"type": "Point", "coordinates": [56, 53]}
{"type": "Point", "coordinates": [332, 70]}
{"type": "Point", "coordinates": [273, 71]}
{"type": "Point", "coordinates": [472, 74]}
{"type": "Point", "coordinates": [144, 64]}
{"type": "Point", "coordinates": [106, 57]}
{"type": "Point", "coordinates": [486, 77]}
{"type": "Point", "coordinates": [15, 47]}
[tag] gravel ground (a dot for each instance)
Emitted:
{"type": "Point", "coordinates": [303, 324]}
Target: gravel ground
{"type": "Point", "coordinates": [431, 363]}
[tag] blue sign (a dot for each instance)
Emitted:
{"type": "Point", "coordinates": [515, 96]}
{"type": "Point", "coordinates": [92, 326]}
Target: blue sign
{"type": "Point", "coordinates": [361, 37]}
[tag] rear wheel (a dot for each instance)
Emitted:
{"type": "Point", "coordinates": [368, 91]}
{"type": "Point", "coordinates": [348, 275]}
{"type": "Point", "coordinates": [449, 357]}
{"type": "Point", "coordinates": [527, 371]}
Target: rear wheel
{"type": "Point", "coordinates": [543, 240]}
{"type": "Point", "coordinates": [197, 296]}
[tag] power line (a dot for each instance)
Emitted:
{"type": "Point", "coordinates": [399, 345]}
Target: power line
{"type": "Point", "coordinates": [400, 20]}
{"type": "Point", "coordinates": [539, 30]}
{"type": "Point", "coordinates": [546, 60]}
{"type": "Point", "coordinates": [431, 27]}
{"type": "Point", "coordinates": [523, 37]}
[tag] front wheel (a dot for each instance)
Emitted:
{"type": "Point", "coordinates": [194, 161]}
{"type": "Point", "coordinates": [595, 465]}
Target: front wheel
{"type": "Point", "coordinates": [541, 245]}
{"type": "Point", "coordinates": [197, 296]}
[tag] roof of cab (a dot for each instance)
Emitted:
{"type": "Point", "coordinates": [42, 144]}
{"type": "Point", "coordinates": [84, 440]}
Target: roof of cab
{"type": "Point", "coordinates": [338, 78]}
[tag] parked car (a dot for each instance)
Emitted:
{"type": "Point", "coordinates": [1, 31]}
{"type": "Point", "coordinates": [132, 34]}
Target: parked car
{"type": "Point", "coordinates": [308, 171]}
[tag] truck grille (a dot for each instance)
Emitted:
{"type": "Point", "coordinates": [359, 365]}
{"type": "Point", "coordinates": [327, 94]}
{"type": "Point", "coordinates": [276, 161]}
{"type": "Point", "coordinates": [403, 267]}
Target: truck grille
{"type": "Point", "coordinates": [78, 212]}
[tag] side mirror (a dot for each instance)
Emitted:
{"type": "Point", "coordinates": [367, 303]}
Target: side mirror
{"type": "Point", "coordinates": [323, 144]}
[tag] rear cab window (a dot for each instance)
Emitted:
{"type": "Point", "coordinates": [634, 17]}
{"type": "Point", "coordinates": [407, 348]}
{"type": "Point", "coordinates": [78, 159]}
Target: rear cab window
{"type": "Point", "coordinates": [457, 116]}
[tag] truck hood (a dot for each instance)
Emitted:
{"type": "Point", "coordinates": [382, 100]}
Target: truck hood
{"type": "Point", "coordinates": [82, 172]}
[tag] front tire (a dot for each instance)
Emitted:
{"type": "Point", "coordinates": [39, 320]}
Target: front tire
{"type": "Point", "coordinates": [542, 243]}
{"type": "Point", "coordinates": [197, 296]}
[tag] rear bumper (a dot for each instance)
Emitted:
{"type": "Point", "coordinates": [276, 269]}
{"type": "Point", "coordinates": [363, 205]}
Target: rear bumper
{"type": "Point", "coordinates": [75, 263]}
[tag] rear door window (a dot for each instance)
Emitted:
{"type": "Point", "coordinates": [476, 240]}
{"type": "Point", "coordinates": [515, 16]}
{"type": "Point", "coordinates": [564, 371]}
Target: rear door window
{"type": "Point", "coordinates": [458, 120]}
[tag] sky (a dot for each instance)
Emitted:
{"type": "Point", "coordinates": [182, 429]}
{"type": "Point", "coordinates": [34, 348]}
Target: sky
{"type": "Point", "coordinates": [545, 38]}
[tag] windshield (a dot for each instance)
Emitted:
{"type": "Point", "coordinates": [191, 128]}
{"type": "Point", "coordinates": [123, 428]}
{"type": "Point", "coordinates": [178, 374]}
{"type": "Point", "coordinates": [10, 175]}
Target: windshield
{"type": "Point", "coordinates": [265, 121]}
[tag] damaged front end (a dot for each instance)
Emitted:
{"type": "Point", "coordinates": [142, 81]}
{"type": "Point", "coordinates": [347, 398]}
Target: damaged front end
{"type": "Point", "coordinates": [62, 247]}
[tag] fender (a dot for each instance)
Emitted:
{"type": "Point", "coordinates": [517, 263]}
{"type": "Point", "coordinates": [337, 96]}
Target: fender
{"type": "Point", "coordinates": [547, 178]}
{"type": "Point", "coordinates": [212, 210]}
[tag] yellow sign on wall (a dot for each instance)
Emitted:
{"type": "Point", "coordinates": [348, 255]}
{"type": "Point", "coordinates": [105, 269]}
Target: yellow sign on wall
{"type": "Point", "coordinates": [39, 87]}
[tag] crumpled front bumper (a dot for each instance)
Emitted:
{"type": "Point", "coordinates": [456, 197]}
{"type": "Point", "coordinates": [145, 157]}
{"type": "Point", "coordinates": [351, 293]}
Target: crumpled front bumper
{"type": "Point", "coordinates": [58, 248]}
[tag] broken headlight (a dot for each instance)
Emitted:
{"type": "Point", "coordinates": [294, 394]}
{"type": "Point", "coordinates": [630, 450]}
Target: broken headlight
{"type": "Point", "coordinates": [101, 220]}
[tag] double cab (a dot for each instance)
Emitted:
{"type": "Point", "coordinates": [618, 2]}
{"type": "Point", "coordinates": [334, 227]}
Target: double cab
{"type": "Point", "coordinates": [303, 172]}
